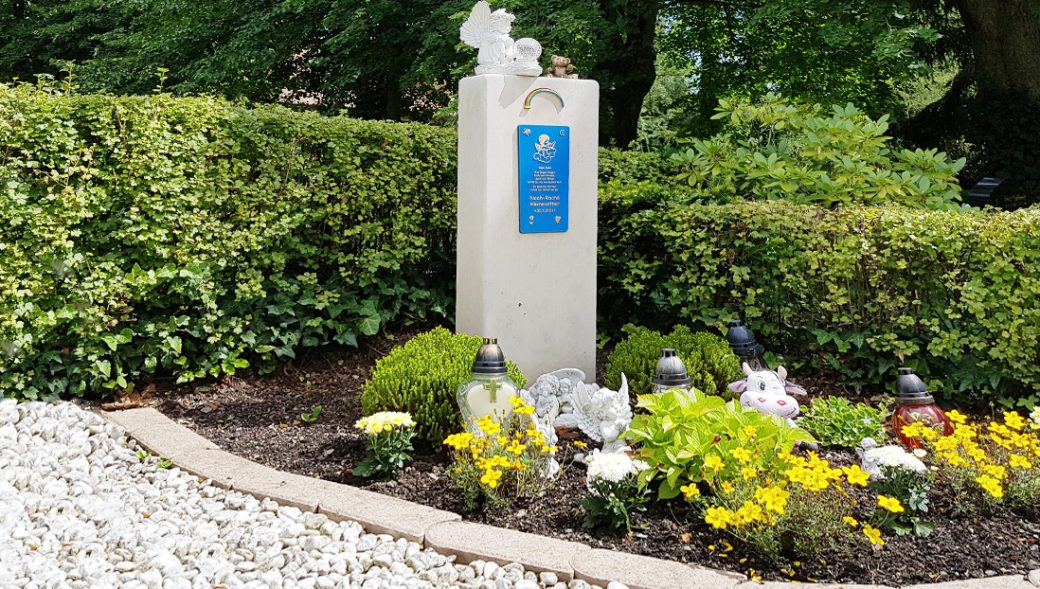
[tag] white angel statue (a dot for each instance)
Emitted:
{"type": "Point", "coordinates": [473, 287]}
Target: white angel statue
{"type": "Point", "coordinates": [600, 413]}
{"type": "Point", "coordinates": [497, 53]}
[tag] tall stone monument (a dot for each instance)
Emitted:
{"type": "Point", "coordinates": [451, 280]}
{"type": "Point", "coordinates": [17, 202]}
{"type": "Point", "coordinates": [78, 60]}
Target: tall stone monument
{"type": "Point", "coordinates": [527, 203]}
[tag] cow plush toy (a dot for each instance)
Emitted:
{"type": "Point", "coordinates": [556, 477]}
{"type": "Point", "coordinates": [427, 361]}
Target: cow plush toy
{"type": "Point", "coordinates": [768, 392]}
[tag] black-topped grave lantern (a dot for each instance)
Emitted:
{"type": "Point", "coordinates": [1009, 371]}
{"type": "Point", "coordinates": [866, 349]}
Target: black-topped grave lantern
{"type": "Point", "coordinates": [671, 372]}
{"type": "Point", "coordinates": [743, 343]}
{"type": "Point", "coordinates": [916, 405]}
{"type": "Point", "coordinates": [489, 390]}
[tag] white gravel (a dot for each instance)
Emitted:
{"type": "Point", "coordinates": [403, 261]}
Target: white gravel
{"type": "Point", "coordinates": [79, 508]}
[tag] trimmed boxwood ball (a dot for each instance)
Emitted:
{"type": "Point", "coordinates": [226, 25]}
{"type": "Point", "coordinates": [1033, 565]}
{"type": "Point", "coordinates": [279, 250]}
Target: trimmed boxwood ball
{"type": "Point", "coordinates": [422, 377]}
{"type": "Point", "coordinates": [708, 359]}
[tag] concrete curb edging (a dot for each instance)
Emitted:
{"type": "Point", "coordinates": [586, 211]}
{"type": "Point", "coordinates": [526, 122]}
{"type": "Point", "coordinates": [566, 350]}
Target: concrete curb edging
{"type": "Point", "coordinates": [445, 531]}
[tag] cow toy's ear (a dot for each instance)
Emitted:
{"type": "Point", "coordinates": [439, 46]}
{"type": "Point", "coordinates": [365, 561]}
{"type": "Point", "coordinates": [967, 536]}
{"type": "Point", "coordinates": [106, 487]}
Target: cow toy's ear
{"type": "Point", "coordinates": [738, 387]}
{"type": "Point", "coordinates": [782, 372]}
{"type": "Point", "coordinates": [747, 368]}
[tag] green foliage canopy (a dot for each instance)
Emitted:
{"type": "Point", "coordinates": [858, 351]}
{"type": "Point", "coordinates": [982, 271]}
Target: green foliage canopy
{"type": "Point", "coordinates": [773, 149]}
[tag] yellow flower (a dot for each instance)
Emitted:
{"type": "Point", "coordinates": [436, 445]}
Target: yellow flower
{"type": "Point", "coordinates": [748, 473]}
{"type": "Point", "coordinates": [750, 431]}
{"type": "Point", "coordinates": [873, 534]}
{"type": "Point", "coordinates": [690, 490]}
{"type": "Point", "coordinates": [749, 513]}
{"type": "Point", "coordinates": [741, 454]}
{"type": "Point", "coordinates": [489, 426]}
{"type": "Point", "coordinates": [491, 478]}
{"type": "Point", "coordinates": [856, 475]}
{"type": "Point", "coordinates": [957, 417]}
{"type": "Point", "coordinates": [384, 421]}
{"type": "Point", "coordinates": [580, 444]}
{"type": "Point", "coordinates": [808, 478]}
{"type": "Point", "coordinates": [713, 462]}
{"type": "Point", "coordinates": [772, 498]}
{"type": "Point", "coordinates": [516, 448]}
{"type": "Point", "coordinates": [1017, 461]}
{"type": "Point", "coordinates": [851, 521]}
{"type": "Point", "coordinates": [991, 486]}
{"type": "Point", "coordinates": [718, 517]}
{"type": "Point", "coordinates": [727, 487]}
{"type": "Point", "coordinates": [1015, 421]}
{"type": "Point", "coordinates": [459, 441]}
{"type": "Point", "coordinates": [520, 406]}
{"type": "Point", "coordinates": [890, 503]}
{"type": "Point", "coordinates": [996, 471]}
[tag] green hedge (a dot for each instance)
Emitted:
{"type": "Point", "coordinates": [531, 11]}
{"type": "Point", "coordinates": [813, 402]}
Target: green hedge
{"type": "Point", "coordinates": [185, 236]}
{"type": "Point", "coordinates": [956, 295]}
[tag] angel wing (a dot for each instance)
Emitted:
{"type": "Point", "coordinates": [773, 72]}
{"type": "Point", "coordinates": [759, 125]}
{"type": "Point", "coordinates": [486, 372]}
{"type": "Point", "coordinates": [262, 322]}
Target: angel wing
{"type": "Point", "coordinates": [477, 25]}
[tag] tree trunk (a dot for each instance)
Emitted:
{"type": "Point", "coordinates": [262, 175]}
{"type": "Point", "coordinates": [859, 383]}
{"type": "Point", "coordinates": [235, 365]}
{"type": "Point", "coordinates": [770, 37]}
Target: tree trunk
{"type": "Point", "coordinates": [1005, 41]}
{"type": "Point", "coordinates": [630, 65]}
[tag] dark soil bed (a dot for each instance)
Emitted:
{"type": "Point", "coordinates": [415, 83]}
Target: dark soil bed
{"type": "Point", "coordinates": [259, 418]}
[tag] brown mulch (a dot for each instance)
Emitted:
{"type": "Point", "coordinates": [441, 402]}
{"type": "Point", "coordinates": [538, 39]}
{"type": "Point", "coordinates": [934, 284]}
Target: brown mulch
{"type": "Point", "coordinates": [260, 418]}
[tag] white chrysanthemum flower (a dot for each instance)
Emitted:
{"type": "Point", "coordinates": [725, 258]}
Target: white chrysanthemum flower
{"type": "Point", "coordinates": [1035, 416]}
{"type": "Point", "coordinates": [876, 459]}
{"type": "Point", "coordinates": [612, 466]}
{"type": "Point", "coordinates": [385, 421]}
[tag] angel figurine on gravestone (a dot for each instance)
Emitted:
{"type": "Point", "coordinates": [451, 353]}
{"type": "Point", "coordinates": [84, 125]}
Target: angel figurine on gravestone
{"type": "Point", "coordinates": [497, 53]}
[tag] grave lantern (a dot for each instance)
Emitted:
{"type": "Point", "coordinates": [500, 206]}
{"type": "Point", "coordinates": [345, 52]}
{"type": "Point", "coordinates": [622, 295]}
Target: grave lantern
{"type": "Point", "coordinates": [489, 390]}
{"type": "Point", "coordinates": [671, 372]}
{"type": "Point", "coordinates": [742, 342]}
{"type": "Point", "coordinates": [915, 404]}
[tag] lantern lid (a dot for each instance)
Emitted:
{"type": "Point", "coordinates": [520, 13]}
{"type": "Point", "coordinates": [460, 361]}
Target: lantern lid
{"type": "Point", "coordinates": [742, 340]}
{"type": "Point", "coordinates": [671, 372]}
{"type": "Point", "coordinates": [490, 360]}
{"type": "Point", "coordinates": [912, 390]}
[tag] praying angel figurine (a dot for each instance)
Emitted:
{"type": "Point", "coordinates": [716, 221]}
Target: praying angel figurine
{"type": "Point", "coordinates": [497, 53]}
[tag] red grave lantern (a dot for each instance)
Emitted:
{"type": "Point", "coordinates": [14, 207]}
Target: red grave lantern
{"type": "Point", "coordinates": [916, 405]}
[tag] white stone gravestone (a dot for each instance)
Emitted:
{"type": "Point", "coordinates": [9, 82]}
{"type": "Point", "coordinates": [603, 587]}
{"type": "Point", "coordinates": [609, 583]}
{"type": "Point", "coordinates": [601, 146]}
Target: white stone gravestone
{"type": "Point", "coordinates": [527, 218]}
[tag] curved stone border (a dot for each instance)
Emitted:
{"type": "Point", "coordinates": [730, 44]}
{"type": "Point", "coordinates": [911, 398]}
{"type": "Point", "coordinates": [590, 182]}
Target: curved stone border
{"type": "Point", "coordinates": [445, 531]}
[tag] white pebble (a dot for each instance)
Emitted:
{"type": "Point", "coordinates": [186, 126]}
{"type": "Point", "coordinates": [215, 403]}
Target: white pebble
{"type": "Point", "coordinates": [70, 484]}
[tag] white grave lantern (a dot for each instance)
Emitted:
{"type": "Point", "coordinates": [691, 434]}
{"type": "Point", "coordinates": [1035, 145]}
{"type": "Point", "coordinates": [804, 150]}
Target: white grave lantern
{"type": "Point", "coordinates": [490, 390]}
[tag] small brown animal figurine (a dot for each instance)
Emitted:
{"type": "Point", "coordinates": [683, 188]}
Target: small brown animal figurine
{"type": "Point", "coordinates": [561, 68]}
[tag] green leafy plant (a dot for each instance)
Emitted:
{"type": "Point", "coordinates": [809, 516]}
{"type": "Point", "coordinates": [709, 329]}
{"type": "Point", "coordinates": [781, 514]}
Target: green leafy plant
{"type": "Point", "coordinates": [678, 433]}
{"type": "Point", "coordinates": [615, 492]}
{"type": "Point", "coordinates": [708, 359]}
{"type": "Point", "coordinates": [164, 463]}
{"type": "Point", "coordinates": [839, 422]}
{"type": "Point", "coordinates": [388, 438]}
{"type": "Point", "coordinates": [422, 377]}
{"type": "Point", "coordinates": [775, 149]}
{"type": "Point", "coordinates": [311, 416]}
{"type": "Point", "coordinates": [738, 465]}
{"type": "Point", "coordinates": [902, 501]}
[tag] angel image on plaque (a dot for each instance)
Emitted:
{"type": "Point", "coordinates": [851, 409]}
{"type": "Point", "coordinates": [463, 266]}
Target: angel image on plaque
{"type": "Point", "coordinates": [497, 53]}
{"type": "Point", "coordinates": [544, 150]}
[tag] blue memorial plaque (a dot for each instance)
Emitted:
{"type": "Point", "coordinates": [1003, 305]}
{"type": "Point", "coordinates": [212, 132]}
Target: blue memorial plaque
{"type": "Point", "coordinates": [545, 169]}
